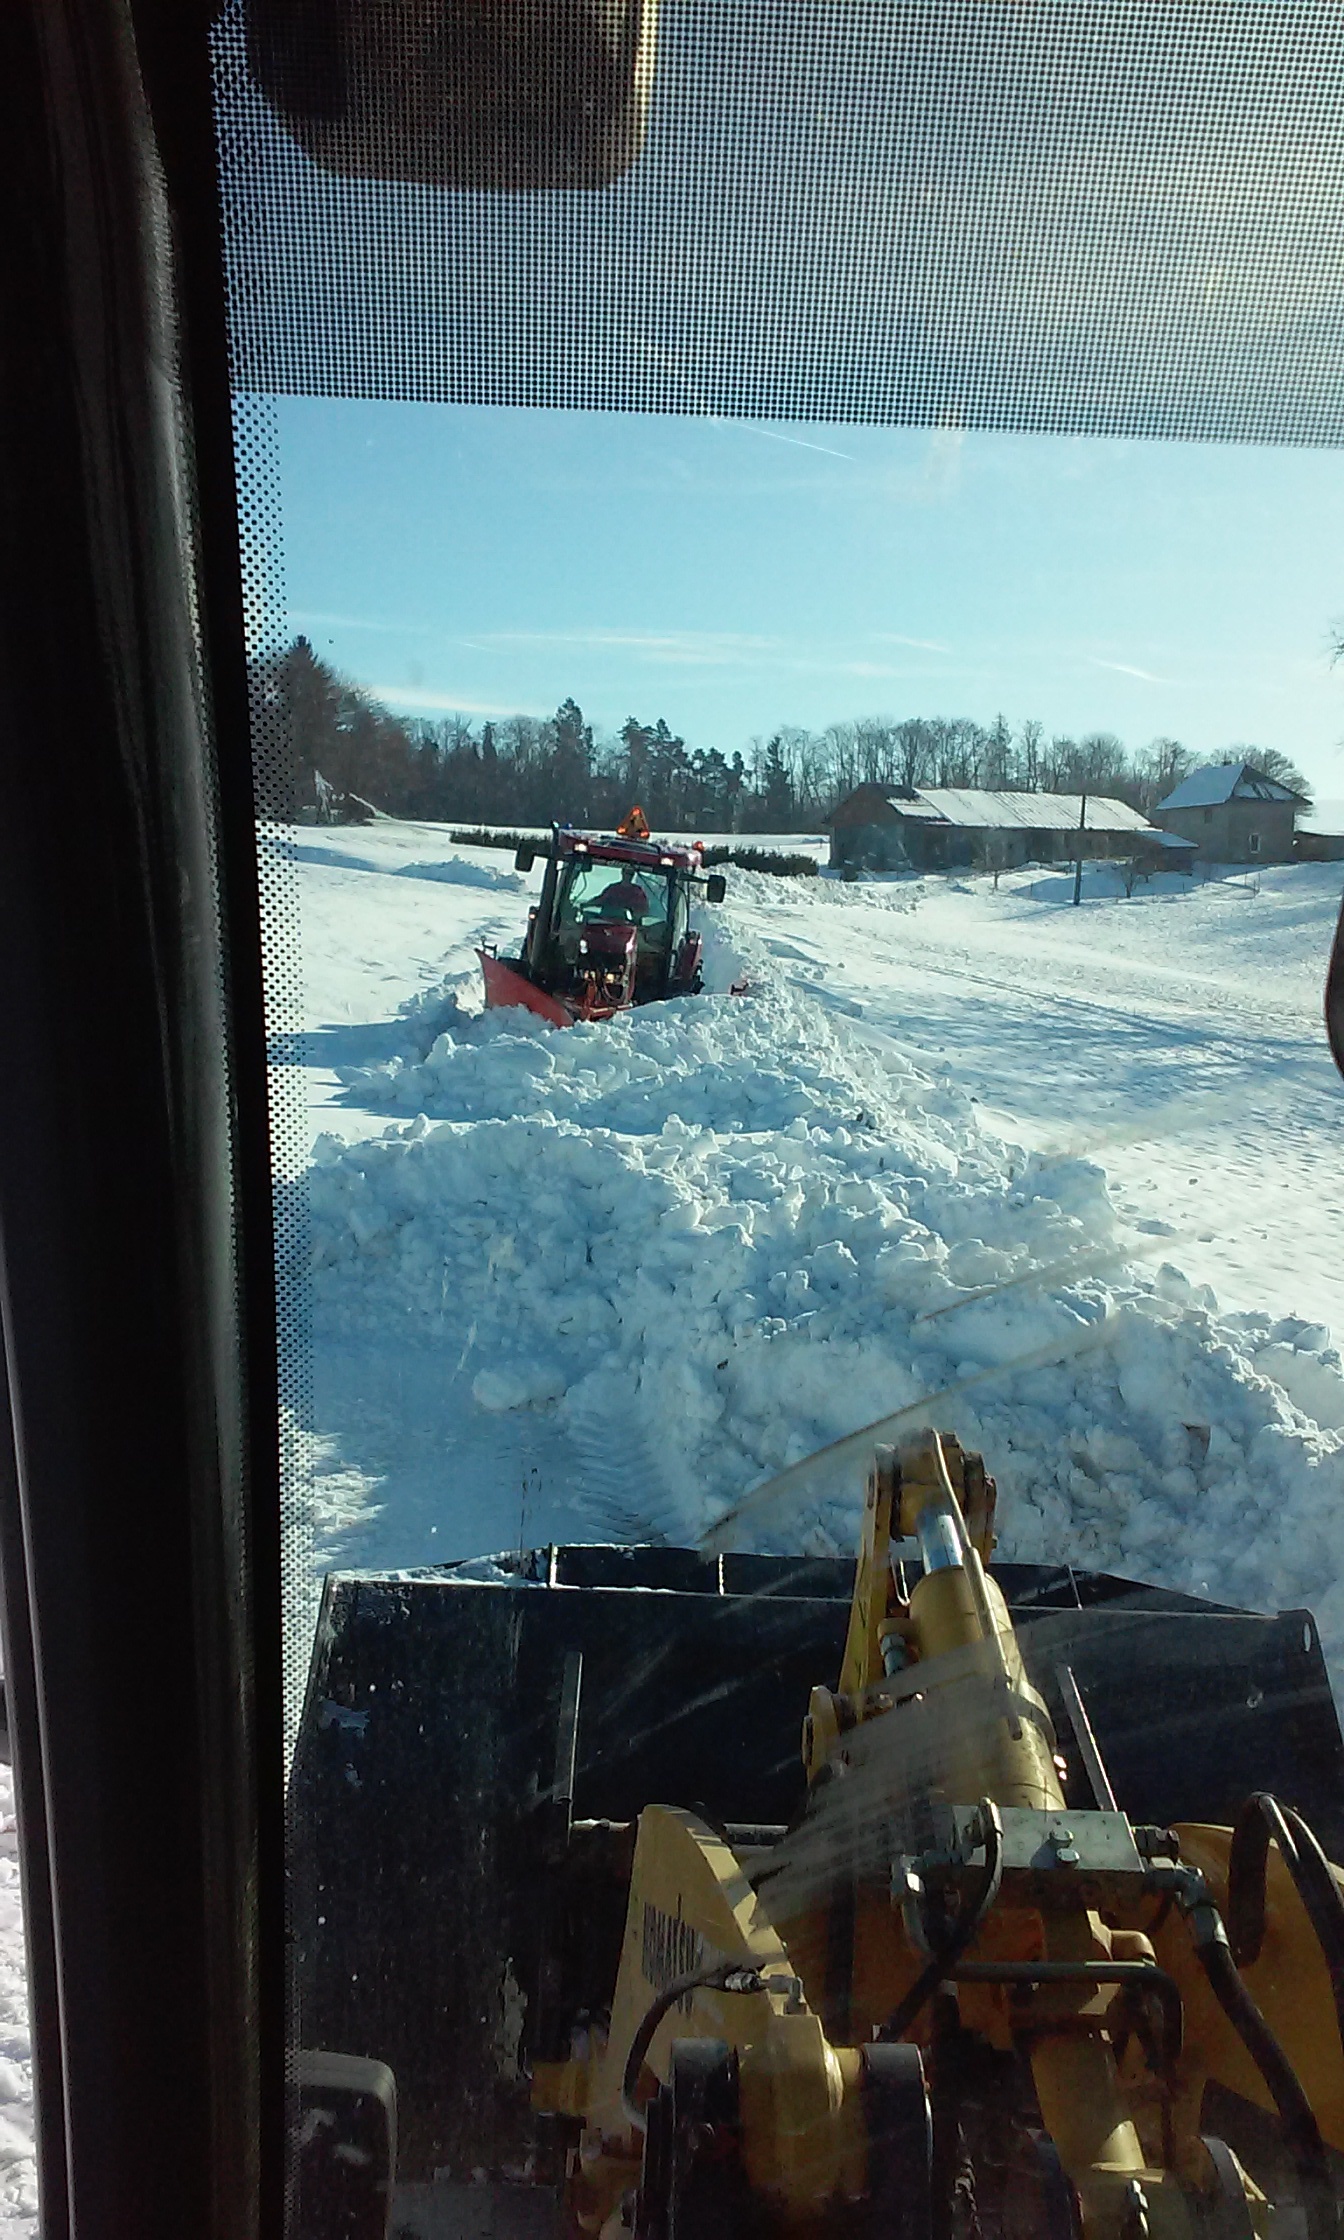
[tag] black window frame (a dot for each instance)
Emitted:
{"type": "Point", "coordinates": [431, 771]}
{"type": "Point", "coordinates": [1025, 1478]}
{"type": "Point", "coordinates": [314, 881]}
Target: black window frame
{"type": "Point", "coordinates": [139, 1472]}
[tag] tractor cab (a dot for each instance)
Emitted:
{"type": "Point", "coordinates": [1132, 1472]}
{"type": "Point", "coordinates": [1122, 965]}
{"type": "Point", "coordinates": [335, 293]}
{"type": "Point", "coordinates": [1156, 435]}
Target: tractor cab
{"type": "Point", "coordinates": [612, 927]}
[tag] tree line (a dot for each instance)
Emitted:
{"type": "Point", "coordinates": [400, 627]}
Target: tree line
{"type": "Point", "coordinates": [527, 770]}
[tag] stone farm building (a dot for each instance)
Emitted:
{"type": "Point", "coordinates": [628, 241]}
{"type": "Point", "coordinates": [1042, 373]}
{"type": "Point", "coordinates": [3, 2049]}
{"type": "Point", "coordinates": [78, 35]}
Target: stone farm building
{"type": "Point", "coordinates": [943, 828]}
{"type": "Point", "coordinates": [1233, 813]}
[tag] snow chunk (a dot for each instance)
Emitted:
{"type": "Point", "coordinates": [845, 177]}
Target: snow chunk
{"type": "Point", "coordinates": [522, 1385]}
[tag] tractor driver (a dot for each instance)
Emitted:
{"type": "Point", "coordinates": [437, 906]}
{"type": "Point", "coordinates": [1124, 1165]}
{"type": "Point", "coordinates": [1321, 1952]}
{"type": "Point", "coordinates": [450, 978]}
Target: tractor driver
{"type": "Point", "coordinates": [624, 898]}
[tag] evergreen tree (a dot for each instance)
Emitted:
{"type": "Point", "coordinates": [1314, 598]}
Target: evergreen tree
{"type": "Point", "coordinates": [309, 693]}
{"type": "Point", "coordinates": [571, 762]}
{"type": "Point", "coordinates": [776, 788]}
{"type": "Point", "coordinates": [997, 759]}
{"type": "Point", "coordinates": [635, 776]}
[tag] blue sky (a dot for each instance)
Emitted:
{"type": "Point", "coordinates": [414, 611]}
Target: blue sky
{"type": "Point", "coordinates": [735, 576]}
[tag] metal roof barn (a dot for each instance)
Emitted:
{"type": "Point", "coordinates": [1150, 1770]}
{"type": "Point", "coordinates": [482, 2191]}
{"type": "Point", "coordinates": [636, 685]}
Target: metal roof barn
{"type": "Point", "coordinates": [1024, 812]}
{"type": "Point", "coordinates": [938, 828]}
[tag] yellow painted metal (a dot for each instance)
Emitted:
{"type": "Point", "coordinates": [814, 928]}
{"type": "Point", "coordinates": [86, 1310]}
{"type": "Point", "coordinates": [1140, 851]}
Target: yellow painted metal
{"type": "Point", "coordinates": [562, 2088]}
{"type": "Point", "coordinates": [956, 1615]}
{"type": "Point", "coordinates": [1289, 1982]}
{"type": "Point", "coordinates": [1007, 1752]}
{"type": "Point", "coordinates": [964, 1695]}
{"type": "Point", "coordinates": [802, 2123]}
{"type": "Point", "coordinates": [691, 1908]}
{"type": "Point", "coordinates": [933, 1466]}
{"type": "Point", "coordinates": [861, 1664]}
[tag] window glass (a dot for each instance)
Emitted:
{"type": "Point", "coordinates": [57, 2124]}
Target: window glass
{"type": "Point", "coordinates": [604, 890]}
{"type": "Point", "coordinates": [864, 464]}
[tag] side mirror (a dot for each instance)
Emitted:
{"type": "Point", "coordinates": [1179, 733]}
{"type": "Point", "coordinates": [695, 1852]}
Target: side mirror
{"type": "Point", "coordinates": [524, 859]}
{"type": "Point", "coordinates": [716, 886]}
{"type": "Point", "coordinates": [347, 2147]}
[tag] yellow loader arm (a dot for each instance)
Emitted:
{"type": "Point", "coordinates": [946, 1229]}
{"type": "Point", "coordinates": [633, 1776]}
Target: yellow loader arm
{"type": "Point", "coordinates": [948, 2000]}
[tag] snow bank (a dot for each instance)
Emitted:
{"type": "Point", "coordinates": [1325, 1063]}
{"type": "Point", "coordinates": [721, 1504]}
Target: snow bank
{"type": "Point", "coordinates": [716, 1235]}
{"type": "Point", "coordinates": [18, 2160]}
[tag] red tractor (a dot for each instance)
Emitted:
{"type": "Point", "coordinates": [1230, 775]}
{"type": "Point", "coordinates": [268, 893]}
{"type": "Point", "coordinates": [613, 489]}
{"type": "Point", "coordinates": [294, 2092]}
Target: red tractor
{"type": "Point", "coordinates": [612, 928]}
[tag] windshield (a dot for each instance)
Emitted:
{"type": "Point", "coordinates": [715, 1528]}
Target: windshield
{"type": "Point", "coordinates": [612, 891]}
{"type": "Point", "coordinates": [911, 471]}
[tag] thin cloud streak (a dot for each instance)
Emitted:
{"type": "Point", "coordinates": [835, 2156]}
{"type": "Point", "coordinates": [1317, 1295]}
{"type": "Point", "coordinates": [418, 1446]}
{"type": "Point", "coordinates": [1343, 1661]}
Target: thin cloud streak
{"type": "Point", "coordinates": [694, 650]}
{"type": "Point", "coordinates": [428, 700]}
{"type": "Point", "coordinates": [716, 646]}
{"type": "Point", "coordinates": [918, 645]}
{"type": "Point", "coordinates": [772, 435]}
{"type": "Point", "coordinates": [1126, 669]}
{"type": "Point", "coordinates": [310, 617]}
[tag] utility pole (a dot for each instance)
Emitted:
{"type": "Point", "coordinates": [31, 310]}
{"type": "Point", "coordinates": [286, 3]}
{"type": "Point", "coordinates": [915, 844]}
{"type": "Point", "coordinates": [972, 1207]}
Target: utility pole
{"type": "Point", "coordinates": [1078, 867]}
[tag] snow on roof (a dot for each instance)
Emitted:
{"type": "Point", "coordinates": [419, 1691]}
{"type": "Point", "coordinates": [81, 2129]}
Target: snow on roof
{"type": "Point", "coordinates": [1028, 812]}
{"type": "Point", "coordinates": [1225, 781]}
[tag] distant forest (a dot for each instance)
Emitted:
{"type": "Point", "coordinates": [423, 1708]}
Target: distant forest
{"type": "Point", "coordinates": [527, 770]}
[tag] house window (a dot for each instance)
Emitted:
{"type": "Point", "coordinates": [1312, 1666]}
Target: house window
{"type": "Point", "coordinates": [1208, 816]}
{"type": "Point", "coordinates": [1253, 843]}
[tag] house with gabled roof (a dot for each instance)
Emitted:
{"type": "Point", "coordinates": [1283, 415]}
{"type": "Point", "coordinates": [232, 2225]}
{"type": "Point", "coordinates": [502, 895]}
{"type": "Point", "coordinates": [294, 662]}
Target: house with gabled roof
{"type": "Point", "coordinates": [1233, 813]}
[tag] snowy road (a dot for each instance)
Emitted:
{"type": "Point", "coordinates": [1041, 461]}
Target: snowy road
{"type": "Point", "coordinates": [1177, 1038]}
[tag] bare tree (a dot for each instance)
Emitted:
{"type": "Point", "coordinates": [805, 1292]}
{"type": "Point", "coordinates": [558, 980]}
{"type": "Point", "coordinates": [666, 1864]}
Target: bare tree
{"type": "Point", "coordinates": [914, 752]}
{"type": "Point", "coordinates": [808, 761]}
{"type": "Point", "coordinates": [1272, 764]}
{"type": "Point", "coordinates": [1059, 765]}
{"type": "Point", "coordinates": [1102, 765]}
{"type": "Point", "coordinates": [841, 746]}
{"type": "Point", "coordinates": [1158, 770]}
{"type": "Point", "coordinates": [875, 740]}
{"type": "Point", "coordinates": [1029, 740]}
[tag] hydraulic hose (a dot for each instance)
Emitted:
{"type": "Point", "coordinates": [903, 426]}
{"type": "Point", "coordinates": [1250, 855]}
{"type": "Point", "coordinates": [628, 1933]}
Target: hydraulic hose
{"type": "Point", "coordinates": [1263, 1819]}
{"type": "Point", "coordinates": [1297, 2119]}
{"type": "Point", "coordinates": [944, 1961]}
{"type": "Point", "coordinates": [728, 1975]}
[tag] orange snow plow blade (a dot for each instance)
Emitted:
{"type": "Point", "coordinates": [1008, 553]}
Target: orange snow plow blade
{"type": "Point", "coordinates": [505, 986]}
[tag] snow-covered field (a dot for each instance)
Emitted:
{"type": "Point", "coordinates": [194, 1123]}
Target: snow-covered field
{"type": "Point", "coordinates": [1066, 1180]}
{"type": "Point", "coordinates": [1061, 1178]}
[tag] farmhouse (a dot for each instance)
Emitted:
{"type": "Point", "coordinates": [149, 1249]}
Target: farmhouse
{"type": "Point", "coordinates": [940, 828]}
{"type": "Point", "coordinates": [1234, 814]}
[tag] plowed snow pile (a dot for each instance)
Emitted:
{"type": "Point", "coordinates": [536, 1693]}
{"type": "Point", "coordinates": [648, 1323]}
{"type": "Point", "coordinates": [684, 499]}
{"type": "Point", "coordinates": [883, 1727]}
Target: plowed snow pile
{"type": "Point", "coordinates": [686, 1248]}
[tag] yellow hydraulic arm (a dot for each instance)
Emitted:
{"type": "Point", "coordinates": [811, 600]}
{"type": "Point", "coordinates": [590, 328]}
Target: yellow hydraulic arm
{"type": "Point", "coordinates": [942, 1930]}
